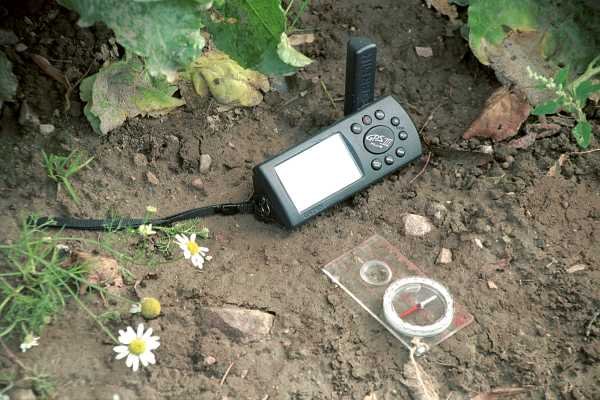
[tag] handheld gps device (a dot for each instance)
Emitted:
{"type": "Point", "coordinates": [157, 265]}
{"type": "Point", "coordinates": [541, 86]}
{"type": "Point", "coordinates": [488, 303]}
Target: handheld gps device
{"type": "Point", "coordinates": [339, 161]}
{"type": "Point", "coordinates": [374, 139]}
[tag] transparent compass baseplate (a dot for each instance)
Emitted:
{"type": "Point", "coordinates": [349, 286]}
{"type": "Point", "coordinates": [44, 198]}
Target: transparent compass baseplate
{"type": "Point", "coordinates": [368, 270]}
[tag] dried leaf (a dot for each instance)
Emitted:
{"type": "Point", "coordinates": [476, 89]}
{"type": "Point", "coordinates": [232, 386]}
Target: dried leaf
{"type": "Point", "coordinates": [502, 116]}
{"type": "Point", "coordinates": [524, 141]}
{"type": "Point", "coordinates": [424, 51]}
{"type": "Point", "coordinates": [499, 393]}
{"type": "Point", "coordinates": [576, 268]}
{"type": "Point", "coordinates": [50, 70]}
{"type": "Point", "coordinates": [555, 169]}
{"type": "Point", "coordinates": [492, 285]}
{"type": "Point", "coordinates": [424, 388]}
{"type": "Point", "coordinates": [444, 8]}
{"type": "Point", "coordinates": [290, 55]}
{"type": "Point", "coordinates": [543, 130]}
{"type": "Point", "coordinates": [301, 38]}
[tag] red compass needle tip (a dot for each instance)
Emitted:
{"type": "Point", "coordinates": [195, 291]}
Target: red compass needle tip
{"type": "Point", "coordinates": [418, 306]}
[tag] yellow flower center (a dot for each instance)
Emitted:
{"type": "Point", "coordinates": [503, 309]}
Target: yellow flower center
{"type": "Point", "coordinates": [193, 248]}
{"type": "Point", "coordinates": [137, 346]}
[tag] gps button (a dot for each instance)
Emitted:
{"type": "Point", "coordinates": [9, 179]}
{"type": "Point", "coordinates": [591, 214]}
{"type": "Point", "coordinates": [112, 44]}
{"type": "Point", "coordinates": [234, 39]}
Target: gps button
{"type": "Point", "coordinates": [376, 164]}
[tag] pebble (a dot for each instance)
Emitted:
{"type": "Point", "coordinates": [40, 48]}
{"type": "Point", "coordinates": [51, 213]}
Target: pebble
{"type": "Point", "coordinates": [487, 149]}
{"type": "Point", "coordinates": [445, 256]}
{"type": "Point", "coordinates": [7, 38]}
{"type": "Point", "coordinates": [27, 117]}
{"type": "Point", "coordinates": [247, 325]}
{"type": "Point", "coordinates": [46, 129]}
{"type": "Point", "coordinates": [209, 360]}
{"type": "Point", "coordinates": [437, 211]}
{"type": "Point", "coordinates": [20, 47]}
{"type": "Point", "coordinates": [152, 178]}
{"type": "Point", "coordinates": [140, 160]}
{"type": "Point", "coordinates": [205, 163]}
{"type": "Point", "coordinates": [565, 204]}
{"type": "Point", "coordinates": [198, 183]}
{"type": "Point", "coordinates": [434, 140]}
{"type": "Point", "coordinates": [416, 225]}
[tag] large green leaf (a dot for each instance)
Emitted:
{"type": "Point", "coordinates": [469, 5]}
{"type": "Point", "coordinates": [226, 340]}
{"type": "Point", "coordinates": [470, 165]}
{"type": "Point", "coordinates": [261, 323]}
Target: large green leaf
{"type": "Point", "coordinates": [545, 35]}
{"type": "Point", "coordinates": [167, 34]}
{"type": "Point", "coordinates": [124, 90]}
{"type": "Point", "coordinates": [583, 133]}
{"type": "Point", "coordinates": [8, 80]}
{"type": "Point", "coordinates": [250, 31]}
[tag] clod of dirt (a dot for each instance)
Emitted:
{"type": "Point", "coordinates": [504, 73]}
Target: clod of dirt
{"type": "Point", "coordinates": [152, 179]}
{"type": "Point", "coordinates": [190, 154]}
{"type": "Point", "coordinates": [103, 271]}
{"type": "Point", "coordinates": [444, 8]}
{"type": "Point", "coordinates": [502, 116]}
{"type": "Point", "coordinates": [198, 184]}
{"type": "Point", "coordinates": [46, 129]}
{"type": "Point", "coordinates": [239, 323]}
{"type": "Point", "coordinates": [23, 394]}
{"type": "Point", "coordinates": [140, 160]}
{"type": "Point", "coordinates": [445, 256]}
{"type": "Point", "coordinates": [7, 38]}
{"type": "Point", "coordinates": [205, 163]}
{"type": "Point", "coordinates": [416, 225]}
{"type": "Point", "coordinates": [27, 118]}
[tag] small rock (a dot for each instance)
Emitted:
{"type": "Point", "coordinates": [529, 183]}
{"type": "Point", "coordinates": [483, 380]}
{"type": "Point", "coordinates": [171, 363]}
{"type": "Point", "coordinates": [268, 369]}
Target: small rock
{"type": "Point", "coordinates": [492, 285]}
{"type": "Point", "coordinates": [576, 268]}
{"type": "Point", "coordinates": [23, 394]}
{"type": "Point", "coordinates": [247, 325]}
{"type": "Point", "coordinates": [416, 225]}
{"type": "Point", "coordinates": [424, 51]}
{"type": "Point", "coordinates": [438, 211]}
{"type": "Point", "coordinates": [371, 396]}
{"type": "Point", "coordinates": [565, 204]}
{"type": "Point", "coordinates": [205, 163]}
{"type": "Point", "coordinates": [505, 165]}
{"type": "Point", "coordinates": [7, 38]}
{"type": "Point", "coordinates": [46, 129]}
{"type": "Point", "coordinates": [20, 47]}
{"type": "Point", "coordinates": [27, 117]}
{"type": "Point", "coordinates": [445, 256]}
{"type": "Point", "coordinates": [140, 160]}
{"type": "Point", "coordinates": [478, 242]}
{"type": "Point", "coordinates": [487, 149]}
{"type": "Point", "coordinates": [152, 178]}
{"type": "Point", "coordinates": [209, 360]}
{"type": "Point", "coordinates": [197, 183]}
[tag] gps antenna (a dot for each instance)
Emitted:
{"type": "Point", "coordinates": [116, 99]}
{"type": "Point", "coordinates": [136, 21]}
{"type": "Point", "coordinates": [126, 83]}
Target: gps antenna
{"type": "Point", "coordinates": [361, 64]}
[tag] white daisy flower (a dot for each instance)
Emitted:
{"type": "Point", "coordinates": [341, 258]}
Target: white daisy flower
{"type": "Point", "coordinates": [191, 250]}
{"type": "Point", "coordinates": [4, 397]}
{"type": "Point", "coordinates": [151, 209]}
{"type": "Point", "coordinates": [29, 342]}
{"type": "Point", "coordinates": [135, 308]}
{"type": "Point", "coordinates": [137, 347]}
{"type": "Point", "coordinates": [146, 230]}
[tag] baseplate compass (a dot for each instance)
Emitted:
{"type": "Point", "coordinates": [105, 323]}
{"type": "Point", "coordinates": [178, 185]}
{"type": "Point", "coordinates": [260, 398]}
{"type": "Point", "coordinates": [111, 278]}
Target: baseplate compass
{"type": "Point", "coordinates": [396, 293]}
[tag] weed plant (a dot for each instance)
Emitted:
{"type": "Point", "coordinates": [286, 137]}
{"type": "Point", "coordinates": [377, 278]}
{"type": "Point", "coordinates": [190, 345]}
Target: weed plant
{"type": "Point", "coordinates": [61, 168]}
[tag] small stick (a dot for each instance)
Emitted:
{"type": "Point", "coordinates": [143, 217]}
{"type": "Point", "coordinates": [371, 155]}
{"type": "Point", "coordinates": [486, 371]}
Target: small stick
{"type": "Point", "coordinates": [423, 170]}
{"type": "Point", "coordinates": [589, 327]}
{"type": "Point", "coordinates": [266, 396]}
{"type": "Point", "coordinates": [578, 153]}
{"type": "Point", "coordinates": [226, 373]}
{"type": "Point", "coordinates": [328, 94]}
{"type": "Point", "coordinates": [429, 118]}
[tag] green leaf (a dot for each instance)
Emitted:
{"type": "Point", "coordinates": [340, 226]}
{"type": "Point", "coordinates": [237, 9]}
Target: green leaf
{"type": "Point", "coordinates": [8, 80]}
{"type": "Point", "coordinates": [584, 90]}
{"type": "Point", "coordinates": [124, 90]}
{"type": "Point", "coordinates": [548, 107]}
{"type": "Point", "coordinates": [583, 133]}
{"type": "Point", "coordinates": [166, 33]}
{"type": "Point", "coordinates": [249, 31]}
{"type": "Point", "coordinates": [561, 76]}
{"type": "Point", "coordinates": [290, 55]}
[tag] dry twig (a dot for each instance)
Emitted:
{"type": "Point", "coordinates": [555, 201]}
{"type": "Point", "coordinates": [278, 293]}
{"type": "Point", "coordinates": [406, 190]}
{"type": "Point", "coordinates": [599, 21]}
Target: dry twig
{"type": "Point", "coordinates": [226, 373]}
{"type": "Point", "coordinates": [423, 170]}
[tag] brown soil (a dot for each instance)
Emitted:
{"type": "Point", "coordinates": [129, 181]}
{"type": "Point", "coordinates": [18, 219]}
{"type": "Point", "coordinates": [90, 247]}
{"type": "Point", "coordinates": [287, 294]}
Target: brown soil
{"type": "Point", "coordinates": [531, 330]}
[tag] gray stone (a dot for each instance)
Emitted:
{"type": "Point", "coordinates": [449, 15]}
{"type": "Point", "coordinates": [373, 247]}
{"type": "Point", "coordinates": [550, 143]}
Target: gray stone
{"type": "Point", "coordinates": [241, 324]}
{"type": "Point", "coordinates": [487, 149]}
{"type": "Point", "coordinates": [20, 47]}
{"type": "Point", "coordinates": [23, 394]}
{"type": "Point", "coordinates": [416, 225]}
{"type": "Point", "coordinates": [209, 360]}
{"type": "Point", "coordinates": [445, 256]}
{"type": "Point", "coordinates": [7, 38]}
{"type": "Point", "coordinates": [205, 163]}
{"type": "Point", "coordinates": [46, 129]}
{"type": "Point", "coordinates": [152, 178]}
{"type": "Point", "coordinates": [27, 117]}
{"type": "Point", "coordinates": [438, 211]}
{"type": "Point", "coordinates": [140, 160]}
{"type": "Point", "coordinates": [189, 152]}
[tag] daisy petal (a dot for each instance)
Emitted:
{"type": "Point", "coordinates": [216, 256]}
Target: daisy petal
{"type": "Point", "coordinates": [129, 361]}
{"type": "Point", "coordinates": [180, 239]}
{"type": "Point", "coordinates": [136, 363]}
{"type": "Point", "coordinates": [121, 355]}
{"type": "Point", "coordinates": [204, 249]}
{"type": "Point", "coordinates": [128, 336]}
{"type": "Point", "coordinates": [151, 358]}
{"type": "Point", "coordinates": [153, 343]}
{"type": "Point", "coordinates": [144, 359]}
{"type": "Point", "coordinates": [193, 237]}
{"type": "Point", "coordinates": [187, 254]}
{"type": "Point", "coordinates": [120, 349]}
{"type": "Point", "coordinates": [148, 333]}
{"type": "Point", "coordinates": [140, 330]}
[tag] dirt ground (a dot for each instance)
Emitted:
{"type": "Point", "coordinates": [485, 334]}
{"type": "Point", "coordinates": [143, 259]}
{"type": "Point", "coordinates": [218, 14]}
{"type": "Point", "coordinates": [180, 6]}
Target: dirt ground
{"type": "Point", "coordinates": [532, 322]}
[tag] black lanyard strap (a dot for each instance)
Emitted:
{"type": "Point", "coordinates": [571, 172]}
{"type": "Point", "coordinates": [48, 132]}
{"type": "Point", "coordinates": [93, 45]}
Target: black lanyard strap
{"type": "Point", "coordinates": [117, 223]}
